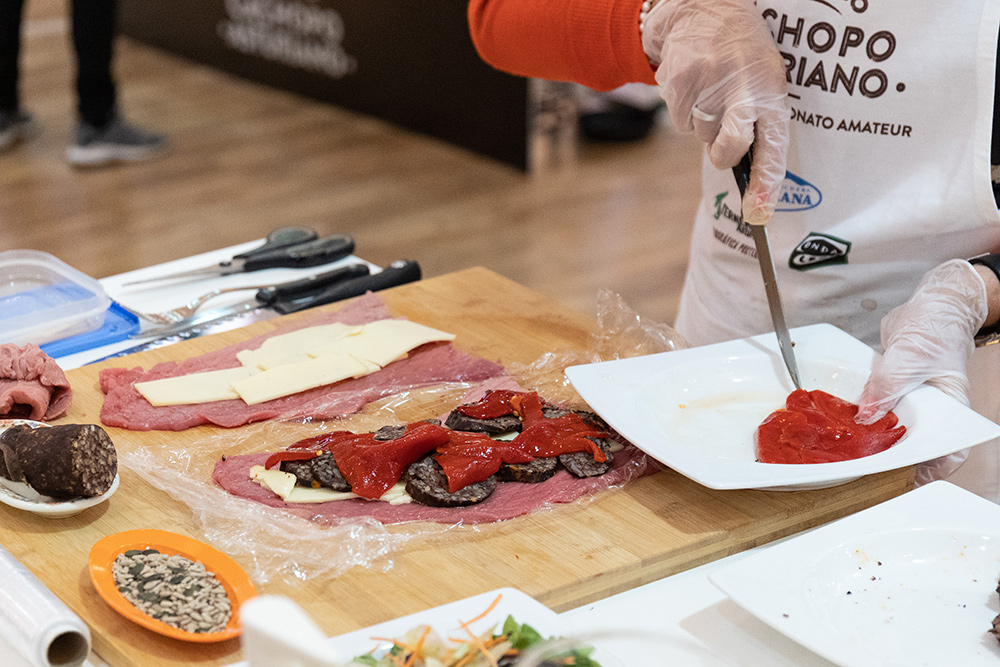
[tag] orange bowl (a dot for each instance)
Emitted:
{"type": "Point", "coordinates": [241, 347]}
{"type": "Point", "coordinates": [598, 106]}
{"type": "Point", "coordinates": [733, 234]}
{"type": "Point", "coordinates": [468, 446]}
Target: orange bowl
{"type": "Point", "coordinates": [233, 578]}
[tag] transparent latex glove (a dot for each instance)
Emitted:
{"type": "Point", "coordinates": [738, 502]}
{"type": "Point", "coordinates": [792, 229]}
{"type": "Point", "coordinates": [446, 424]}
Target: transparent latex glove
{"type": "Point", "coordinates": [722, 77]}
{"type": "Point", "coordinates": [929, 339]}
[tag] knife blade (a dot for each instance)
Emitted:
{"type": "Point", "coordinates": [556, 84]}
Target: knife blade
{"type": "Point", "coordinates": [237, 315]}
{"type": "Point", "coordinates": [767, 272]}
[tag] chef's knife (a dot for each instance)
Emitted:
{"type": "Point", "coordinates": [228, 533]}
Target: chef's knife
{"type": "Point", "coordinates": [759, 234]}
{"type": "Point", "coordinates": [241, 314]}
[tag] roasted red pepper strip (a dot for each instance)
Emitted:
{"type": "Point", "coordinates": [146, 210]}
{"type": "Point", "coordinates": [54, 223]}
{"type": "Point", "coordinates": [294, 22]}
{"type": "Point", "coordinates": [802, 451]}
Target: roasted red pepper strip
{"type": "Point", "coordinates": [472, 457]}
{"type": "Point", "coordinates": [816, 427]}
{"type": "Point", "coordinates": [322, 440]}
{"type": "Point", "coordinates": [496, 403]}
{"type": "Point", "coordinates": [373, 466]}
{"type": "Point", "coordinates": [299, 455]}
{"type": "Point", "coordinates": [529, 408]}
{"type": "Point", "coordinates": [561, 435]}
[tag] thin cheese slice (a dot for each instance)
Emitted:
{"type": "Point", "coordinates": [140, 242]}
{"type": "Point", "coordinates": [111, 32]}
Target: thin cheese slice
{"type": "Point", "coordinates": [196, 387]}
{"type": "Point", "coordinates": [283, 484]}
{"type": "Point", "coordinates": [384, 341]}
{"type": "Point", "coordinates": [295, 346]}
{"type": "Point", "coordinates": [294, 362]}
{"type": "Point", "coordinates": [290, 379]}
{"type": "Point", "coordinates": [280, 482]}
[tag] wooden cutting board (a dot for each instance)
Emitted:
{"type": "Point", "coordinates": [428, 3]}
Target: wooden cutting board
{"type": "Point", "coordinates": [564, 557]}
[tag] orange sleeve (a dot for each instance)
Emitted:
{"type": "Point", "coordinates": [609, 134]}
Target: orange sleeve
{"type": "Point", "coordinates": [592, 42]}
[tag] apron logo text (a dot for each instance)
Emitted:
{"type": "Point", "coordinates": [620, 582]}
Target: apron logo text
{"type": "Point", "coordinates": [797, 194]}
{"type": "Point", "coordinates": [722, 210]}
{"type": "Point", "coordinates": [735, 243]}
{"type": "Point", "coordinates": [844, 125]}
{"type": "Point", "coordinates": [825, 40]}
{"type": "Point", "coordinates": [817, 250]}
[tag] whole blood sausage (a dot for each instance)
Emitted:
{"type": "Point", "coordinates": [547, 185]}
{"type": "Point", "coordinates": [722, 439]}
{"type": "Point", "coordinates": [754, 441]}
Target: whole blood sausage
{"type": "Point", "coordinates": [62, 461]}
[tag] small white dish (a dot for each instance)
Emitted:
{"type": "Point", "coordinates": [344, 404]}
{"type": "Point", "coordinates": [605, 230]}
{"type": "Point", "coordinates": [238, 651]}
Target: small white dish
{"type": "Point", "coordinates": [909, 582]}
{"type": "Point", "coordinates": [22, 496]}
{"type": "Point", "coordinates": [446, 620]}
{"type": "Point", "coordinates": [696, 410]}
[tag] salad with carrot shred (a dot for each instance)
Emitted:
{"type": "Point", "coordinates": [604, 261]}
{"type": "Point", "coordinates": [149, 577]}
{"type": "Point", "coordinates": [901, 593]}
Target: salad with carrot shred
{"type": "Point", "coordinates": [424, 647]}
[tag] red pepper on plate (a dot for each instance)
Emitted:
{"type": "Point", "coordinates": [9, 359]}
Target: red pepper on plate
{"type": "Point", "coordinates": [816, 427]}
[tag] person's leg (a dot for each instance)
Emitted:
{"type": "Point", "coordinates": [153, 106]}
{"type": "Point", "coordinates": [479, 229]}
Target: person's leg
{"type": "Point", "coordinates": [10, 48]}
{"type": "Point", "coordinates": [93, 42]}
{"type": "Point", "coordinates": [102, 134]}
{"type": "Point", "coordinates": [14, 123]}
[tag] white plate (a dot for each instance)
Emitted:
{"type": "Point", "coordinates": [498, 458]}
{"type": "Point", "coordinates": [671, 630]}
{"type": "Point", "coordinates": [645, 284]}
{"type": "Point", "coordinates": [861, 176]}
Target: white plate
{"type": "Point", "coordinates": [909, 582]}
{"type": "Point", "coordinates": [696, 410]}
{"type": "Point", "coordinates": [446, 621]}
{"type": "Point", "coordinates": [23, 497]}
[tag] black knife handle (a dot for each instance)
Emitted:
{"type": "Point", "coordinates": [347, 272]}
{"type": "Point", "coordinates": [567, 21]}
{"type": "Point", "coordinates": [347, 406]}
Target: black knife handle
{"type": "Point", "coordinates": [312, 253]}
{"type": "Point", "coordinates": [742, 173]}
{"type": "Point", "coordinates": [399, 272]}
{"type": "Point", "coordinates": [280, 238]}
{"type": "Point", "coordinates": [299, 288]}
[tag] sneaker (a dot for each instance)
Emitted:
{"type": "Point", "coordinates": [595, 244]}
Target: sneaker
{"type": "Point", "coordinates": [118, 141]}
{"type": "Point", "coordinates": [14, 126]}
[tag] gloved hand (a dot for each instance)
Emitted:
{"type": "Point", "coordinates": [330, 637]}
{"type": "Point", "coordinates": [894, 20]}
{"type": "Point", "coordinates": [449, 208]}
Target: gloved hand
{"type": "Point", "coordinates": [721, 76]}
{"type": "Point", "coordinates": [929, 339]}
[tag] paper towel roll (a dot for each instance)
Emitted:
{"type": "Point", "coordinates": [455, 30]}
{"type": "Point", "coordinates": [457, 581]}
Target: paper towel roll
{"type": "Point", "coordinates": [39, 629]}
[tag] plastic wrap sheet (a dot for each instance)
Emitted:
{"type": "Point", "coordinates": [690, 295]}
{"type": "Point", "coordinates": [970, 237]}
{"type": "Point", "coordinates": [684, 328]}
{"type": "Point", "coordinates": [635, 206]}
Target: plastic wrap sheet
{"type": "Point", "coordinates": [273, 542]}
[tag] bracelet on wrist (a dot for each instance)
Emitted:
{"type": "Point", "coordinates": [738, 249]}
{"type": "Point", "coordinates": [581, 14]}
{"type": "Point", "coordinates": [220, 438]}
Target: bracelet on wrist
{"type": "Point", "coordinates": [644, 9]}
{"type": "Point", "coordinates": [992, 332]}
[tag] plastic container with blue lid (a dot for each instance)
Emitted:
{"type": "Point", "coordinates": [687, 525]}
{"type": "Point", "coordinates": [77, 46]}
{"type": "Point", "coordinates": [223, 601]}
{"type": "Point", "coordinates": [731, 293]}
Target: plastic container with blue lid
{"type": "Point", "coordinates": [43, 299]}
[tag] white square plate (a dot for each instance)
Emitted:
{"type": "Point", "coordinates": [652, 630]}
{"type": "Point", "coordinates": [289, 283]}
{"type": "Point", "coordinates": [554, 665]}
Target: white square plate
{"type": "Point", "coordinates": [696, 410]}
{"type": "Point", "coordinates": [909, 582]}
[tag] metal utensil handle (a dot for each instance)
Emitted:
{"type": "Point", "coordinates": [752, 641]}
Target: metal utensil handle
{"type": "Point", "coordinates": [298, 288]}
{"type": "Point", "coordinates": [281, 238]}
{"type": "Point", "coordinates": [313, 253]}
{"type": "Point", "coordinates": [399, 272]}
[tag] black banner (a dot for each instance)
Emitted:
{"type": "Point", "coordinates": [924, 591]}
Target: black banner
{"type": "Point", "coordinates": [410, 62]}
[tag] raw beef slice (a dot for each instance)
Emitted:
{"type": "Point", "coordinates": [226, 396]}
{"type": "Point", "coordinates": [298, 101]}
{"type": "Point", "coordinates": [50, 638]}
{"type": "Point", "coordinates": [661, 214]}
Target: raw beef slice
{"type": "Point", "coordinates": [32, 386]}
{"type": "Point", "coordinates": [510, 500]}
{"type": "Point", "coordinates": [125, 407]}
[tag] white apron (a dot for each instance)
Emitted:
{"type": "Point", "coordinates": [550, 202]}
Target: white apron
{"type": "Point", "coordinates": [888, 168]}
{"type": "Point", "coordinates": [888, 176]}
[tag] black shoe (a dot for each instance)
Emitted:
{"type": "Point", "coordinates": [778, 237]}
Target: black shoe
{"type": "Point", "coordinates": [619, 122]}
{"type": "Point", "coordinates": [118, 141]}
{"type": "Point", "coordinates": [14, 126]}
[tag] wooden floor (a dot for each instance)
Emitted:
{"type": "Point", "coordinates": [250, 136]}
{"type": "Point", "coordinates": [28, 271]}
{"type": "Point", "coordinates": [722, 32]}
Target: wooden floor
{"type": "Point", "coordinates": [246, 159]}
